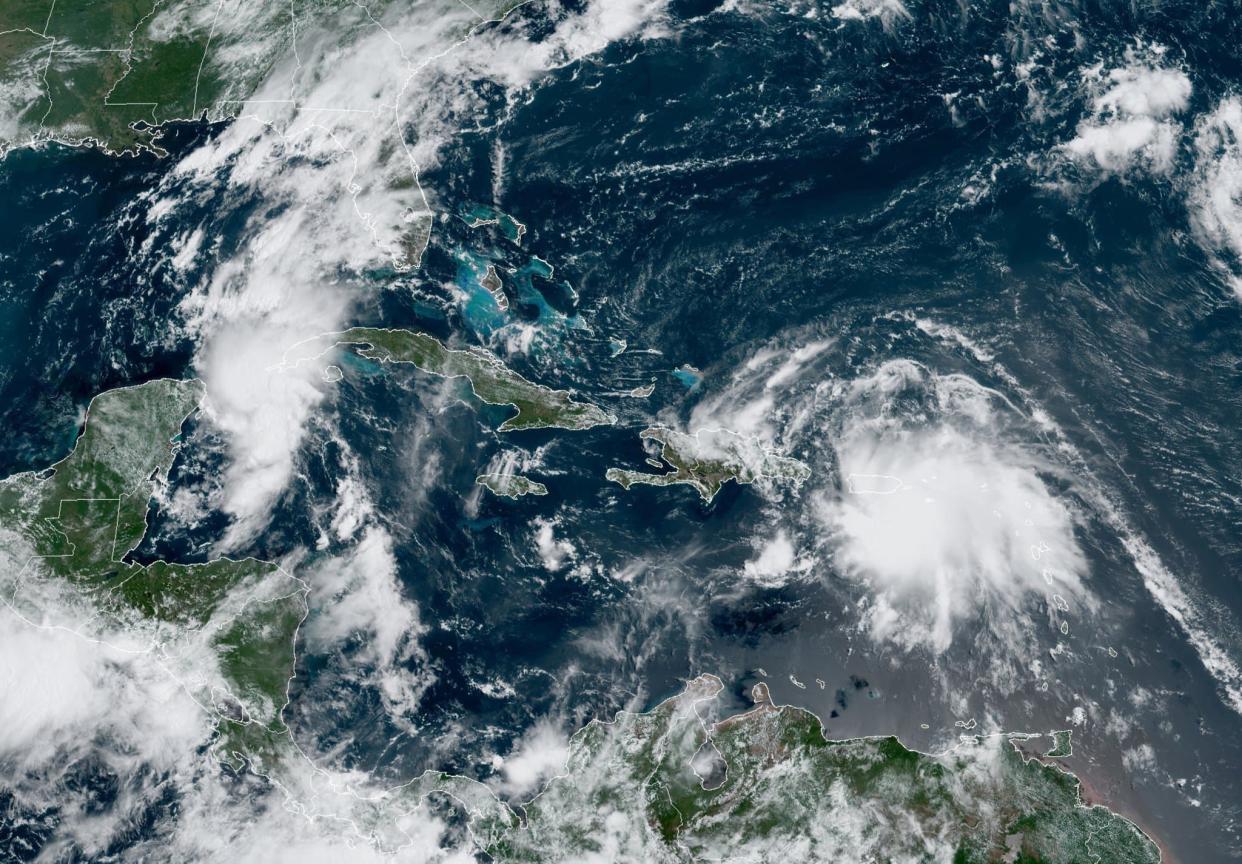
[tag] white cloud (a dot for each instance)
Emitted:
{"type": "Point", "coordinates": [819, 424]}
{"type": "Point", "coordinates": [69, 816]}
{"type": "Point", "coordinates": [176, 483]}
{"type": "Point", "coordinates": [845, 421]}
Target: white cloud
{"type": "Point", "coordinates": [1138, 90]}
{"type": "Point", "coordinates": [20, 95]}
{"type": "Point", "coordinates": [1117, 145]}
{"type": "Point", "coordinates": [941, 516]}
{"type": "Point", "coordinates": [262, 412]}
{"type": "Point", "coordinates": [794, 363]}
{"type": "Point", "coordinates": [737, 410]}
{"type": "Point", "coordinates": [320, 822]}
{"type": "Point", "coordinates": [776, 558]}
{"type": "Point", "coordinates": [516, 62]}
{"type": "Point", "coordinates": [353, 506]}
{"type": "Point", "coordinates": [78, 693]}
{"type": "Point", "coordinates": [554, 553]}
{"type": "Point", "coordinates": [888, 11]}
{"type": "Point", "coordinates": [539, 755]}
{"type": "Point", "coordinates": [358, 593]}
{"type": "Point", "coordinates": [111, 701]}
{"type": "Point", "coordinates": [281, 287]}
{"type": "Point", "coordinates": [1140, 759]}
{"type": "Point", "coordinates": [63, 682]}
{"type": "Point", "coordinates": [1215, 197]}
{"type": "Point", "coordinates": [1131, 123]}
{"type": "Point", "coordinates": [188, 248]}
{"type": "Point", "coordinates": [79, 676]}
{"type": "Point", "coordinates": [1208, 626]}
{"type": "Point", "coordinates": [756, 402]}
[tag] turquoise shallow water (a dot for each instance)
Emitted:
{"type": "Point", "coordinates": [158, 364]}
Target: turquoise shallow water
{"type": "Point", "coordinates": [766, 181]}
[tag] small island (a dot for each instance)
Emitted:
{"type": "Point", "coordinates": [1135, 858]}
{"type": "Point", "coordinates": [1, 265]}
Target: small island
{"type": "Point", "coordinates": [482, 215]}
{"type": "Point", "coordinates": [708, 459]}
{"type": "Point", "coordinates": [490, 282]}
{"type": "Point", "coordinates": [510, 485]}
{"type": "Point", "coordinates": [1062, 744]}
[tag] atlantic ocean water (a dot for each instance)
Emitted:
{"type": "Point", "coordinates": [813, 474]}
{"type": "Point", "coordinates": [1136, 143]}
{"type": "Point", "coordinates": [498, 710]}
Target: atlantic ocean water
{"type": "Point", "coordinates": [972, 263]}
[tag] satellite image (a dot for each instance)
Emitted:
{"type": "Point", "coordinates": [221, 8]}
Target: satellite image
{"type": "Point", "coordinates": [602, 431]}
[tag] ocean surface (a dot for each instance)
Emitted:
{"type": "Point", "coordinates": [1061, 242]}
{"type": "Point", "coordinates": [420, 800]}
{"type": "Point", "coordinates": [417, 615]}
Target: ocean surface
{"type": "Point", "coordinates": [970, 263]}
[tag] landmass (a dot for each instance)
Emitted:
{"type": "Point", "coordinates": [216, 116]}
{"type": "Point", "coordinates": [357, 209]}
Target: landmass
{"type": "Point", "coordinates": [490, 282]}
{"type": "Point", "coordinates": [708, 459]}
{"type": "Point", "coordinates": [537, 406]}
{"type": "Point", "coordinates": [224, 630]}
{"type": "Point", "coordinates": [481, 215]}
{"type": "Point", "coordinates": [689, 376]}
{"type": "Point", "coordinates": [667, 785]}
{"type": "Point", "coordinates": [1062, 744]}
{"type": "Point", "coordinates": [510, 485]}
{"type": "Point", "coordinates": [75, 524]}
{"type": "Point", "coordinates": [112, 73]}
{"type": "Point", "coordinates": [670, 786]}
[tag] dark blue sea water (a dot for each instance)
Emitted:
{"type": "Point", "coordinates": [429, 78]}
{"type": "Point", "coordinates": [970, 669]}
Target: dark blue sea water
{"type": "Point", "coordinates": [762, 179]}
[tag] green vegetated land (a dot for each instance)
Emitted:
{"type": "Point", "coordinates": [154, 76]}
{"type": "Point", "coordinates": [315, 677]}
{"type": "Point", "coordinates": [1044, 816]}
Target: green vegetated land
{"type": "Point", "coordinates": [113, 71]}
{"type": "Point", "coordinates": [77, 522]}
{"type": "Point", "coordinates": [537, 406]}
{"type": "Point", "coordinates": [708, 459]}
{"type": "Point", "coordinates": [667, 785]}
{"type": "Point", "coordinates": [766, 785]}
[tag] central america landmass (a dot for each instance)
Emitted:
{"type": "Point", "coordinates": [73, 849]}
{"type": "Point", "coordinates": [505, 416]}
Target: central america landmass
{"type": "Point", "coordinates": [667, 785]}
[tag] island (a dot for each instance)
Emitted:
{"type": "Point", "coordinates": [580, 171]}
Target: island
{"type": "Point", "coordinates": [510, 485]}
{"type": "Point", "coordinates": [537, 406]}
{"type": "Point", "coordinates": [1062, 744]}
{"type": "Point", "coordinates": [490, 282]}
{"type": "Point", "coordinates": [666, 785]}
{"type": "Point", "coordinates": [709, 458]}
{"type": "Point", "coordinates": [511, 228]}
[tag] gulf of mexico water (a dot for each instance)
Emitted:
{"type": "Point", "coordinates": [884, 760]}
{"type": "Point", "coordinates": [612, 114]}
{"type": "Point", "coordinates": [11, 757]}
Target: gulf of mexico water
{"type": "Point", "coordinates": [869, 231]}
